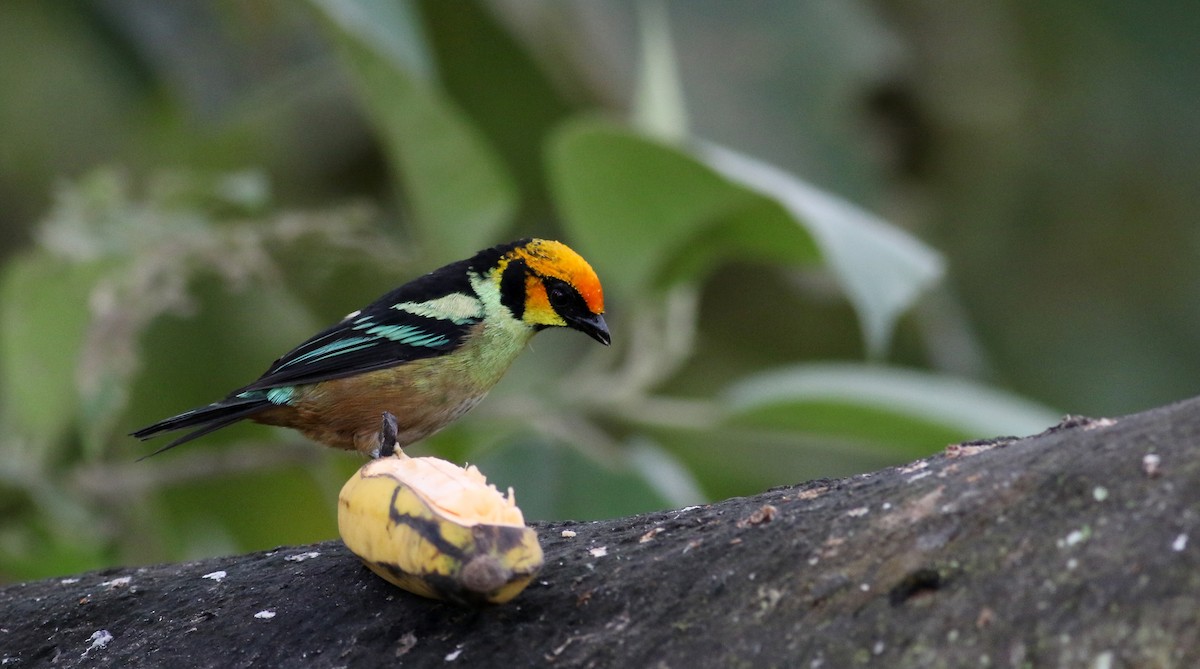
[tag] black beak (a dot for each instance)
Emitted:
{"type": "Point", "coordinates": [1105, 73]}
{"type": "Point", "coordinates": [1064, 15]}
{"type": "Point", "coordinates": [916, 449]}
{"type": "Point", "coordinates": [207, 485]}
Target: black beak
{"type": "Point", "coordinates": [592, 325]}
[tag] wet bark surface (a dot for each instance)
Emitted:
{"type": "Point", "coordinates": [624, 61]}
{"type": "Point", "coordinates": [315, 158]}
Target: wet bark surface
{"type": "Point", "coordinates": [1078, 547]}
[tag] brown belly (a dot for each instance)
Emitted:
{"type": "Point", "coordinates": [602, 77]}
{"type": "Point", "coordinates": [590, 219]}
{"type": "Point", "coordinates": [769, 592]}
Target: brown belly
{"type": "Point", "coordinates": [347, 413]}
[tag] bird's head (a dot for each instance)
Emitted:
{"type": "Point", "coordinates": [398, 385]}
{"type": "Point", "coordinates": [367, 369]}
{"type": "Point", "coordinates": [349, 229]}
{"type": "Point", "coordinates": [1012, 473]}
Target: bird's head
{"type": "Point", "coordinates": [546, 284]}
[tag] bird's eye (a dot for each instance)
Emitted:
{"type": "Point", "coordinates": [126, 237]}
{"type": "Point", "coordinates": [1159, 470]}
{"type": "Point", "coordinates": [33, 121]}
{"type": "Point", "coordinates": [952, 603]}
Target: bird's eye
{"type": "Point", "coordinates": [558, 294]}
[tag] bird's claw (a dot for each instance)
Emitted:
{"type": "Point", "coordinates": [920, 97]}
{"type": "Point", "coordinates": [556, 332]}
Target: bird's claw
{"type": "Point", "coordinates": [388, 431]}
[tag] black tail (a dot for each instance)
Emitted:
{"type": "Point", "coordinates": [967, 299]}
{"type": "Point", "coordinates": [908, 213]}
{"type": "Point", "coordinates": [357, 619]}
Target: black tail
{"type": "Point", "coordinates": [209, 419]}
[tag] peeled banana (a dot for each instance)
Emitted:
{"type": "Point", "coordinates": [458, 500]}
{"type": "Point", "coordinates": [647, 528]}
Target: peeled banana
{"type": "Point", "coordinates": [438, 530]}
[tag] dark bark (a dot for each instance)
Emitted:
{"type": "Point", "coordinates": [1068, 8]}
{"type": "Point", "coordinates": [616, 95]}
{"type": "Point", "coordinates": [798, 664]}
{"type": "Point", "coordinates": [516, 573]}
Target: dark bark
{"type": "Point", "coordinates": [1070, 548]}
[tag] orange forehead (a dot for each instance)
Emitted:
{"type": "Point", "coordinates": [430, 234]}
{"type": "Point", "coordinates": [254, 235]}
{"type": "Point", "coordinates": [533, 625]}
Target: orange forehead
{"type": "Point", "coordinates": [555, 259]}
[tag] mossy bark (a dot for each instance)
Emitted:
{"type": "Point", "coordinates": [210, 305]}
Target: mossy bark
{"type": "Point", "coordinates": [1078, 547]}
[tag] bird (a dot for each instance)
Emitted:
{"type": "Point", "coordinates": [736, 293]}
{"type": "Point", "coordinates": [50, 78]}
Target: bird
{"type": "Point", "coordinates": [426, 352]}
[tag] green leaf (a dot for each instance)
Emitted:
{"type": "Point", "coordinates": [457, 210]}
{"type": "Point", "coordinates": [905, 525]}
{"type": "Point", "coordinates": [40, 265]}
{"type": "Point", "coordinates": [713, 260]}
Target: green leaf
{"type": "Point", "coordinates": [646, 213]}
{"type": "Point", "coordinates": [460, 194]}
{"type": "Point", "coordinates": [552, 481]}
{"type": "Point", "coordinates": [494, 79]}
{"type": "Point", "coordinates": [882, 268]}
{"type": "Point", "coordinates": [801, 423]}
{"type": "Point", "coordinates": [885, 404]}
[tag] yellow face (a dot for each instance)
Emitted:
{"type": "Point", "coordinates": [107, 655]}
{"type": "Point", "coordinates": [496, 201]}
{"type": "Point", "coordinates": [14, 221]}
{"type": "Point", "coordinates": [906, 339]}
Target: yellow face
{"type": "Point", "coordinates": [549, 259]}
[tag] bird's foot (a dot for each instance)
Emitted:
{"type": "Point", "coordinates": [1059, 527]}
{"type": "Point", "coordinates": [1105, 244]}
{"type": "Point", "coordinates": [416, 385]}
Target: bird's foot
{"type": "Point", "coordinates": [388, 431]}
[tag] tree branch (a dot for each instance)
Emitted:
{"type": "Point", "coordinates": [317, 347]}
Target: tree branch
{"type": "Point", "coordinates": [1076, 547]}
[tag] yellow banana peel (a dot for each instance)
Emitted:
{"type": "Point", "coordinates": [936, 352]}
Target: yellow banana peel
{"type": "Point", "coordinates": [438, 530]}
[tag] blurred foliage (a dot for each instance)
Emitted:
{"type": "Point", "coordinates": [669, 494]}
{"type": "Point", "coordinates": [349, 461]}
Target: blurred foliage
{"type": "Point", "coordinates": [201, 186]}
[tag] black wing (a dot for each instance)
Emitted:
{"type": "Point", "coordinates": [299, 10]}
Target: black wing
{"type": "Point", "coordinates": [380, 335]}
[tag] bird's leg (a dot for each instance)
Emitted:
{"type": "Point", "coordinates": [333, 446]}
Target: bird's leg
{"type": "Point", "coordinates": [387, 435]}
